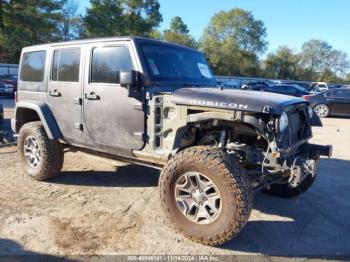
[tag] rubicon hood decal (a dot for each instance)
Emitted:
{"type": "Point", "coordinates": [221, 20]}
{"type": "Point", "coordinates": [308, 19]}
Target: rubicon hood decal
{"type": "Point", "coordinates": [235, 99]}
{"type": "Point", "coordinates": [218, 104]}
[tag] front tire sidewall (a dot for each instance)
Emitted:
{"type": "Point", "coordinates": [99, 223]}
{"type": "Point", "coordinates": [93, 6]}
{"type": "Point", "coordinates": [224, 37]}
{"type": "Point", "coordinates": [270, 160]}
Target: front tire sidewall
{"type": "Point", "coordinates": [228, 207]}
{"type": "Point", "coordinates": [236, 197]}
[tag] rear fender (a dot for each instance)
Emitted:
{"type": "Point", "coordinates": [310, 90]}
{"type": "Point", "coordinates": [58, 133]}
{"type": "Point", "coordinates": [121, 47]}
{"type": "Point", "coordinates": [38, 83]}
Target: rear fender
{"type": "Point", "coordinates": [43, 112]}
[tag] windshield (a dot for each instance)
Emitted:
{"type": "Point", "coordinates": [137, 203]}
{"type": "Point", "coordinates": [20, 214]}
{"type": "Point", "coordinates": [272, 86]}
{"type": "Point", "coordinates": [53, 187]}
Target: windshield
{"type": "Point", "coordinates": [167, 63]}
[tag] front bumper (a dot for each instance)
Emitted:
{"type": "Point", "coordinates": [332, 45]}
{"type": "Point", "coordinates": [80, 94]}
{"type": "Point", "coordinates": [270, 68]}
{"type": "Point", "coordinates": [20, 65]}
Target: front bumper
{"type": "Point", "coordinates": [305, 163]}
{"type": "Point", "coordinates": [314, 150]}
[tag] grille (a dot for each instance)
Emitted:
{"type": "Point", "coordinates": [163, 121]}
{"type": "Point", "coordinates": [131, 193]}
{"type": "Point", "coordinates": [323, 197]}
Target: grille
{"type": "Point", "coordinates": [299, 127]}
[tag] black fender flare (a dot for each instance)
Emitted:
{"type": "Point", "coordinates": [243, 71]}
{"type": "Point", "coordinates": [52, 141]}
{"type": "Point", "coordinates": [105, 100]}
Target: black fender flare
{"type": "Point", "coordinates": [43, 111]}
{"type": "Point", "coordinates": [316, 120]}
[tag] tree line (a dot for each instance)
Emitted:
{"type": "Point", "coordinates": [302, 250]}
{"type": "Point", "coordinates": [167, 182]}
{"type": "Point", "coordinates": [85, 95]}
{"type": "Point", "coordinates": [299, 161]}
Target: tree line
{"type": "Point", "coordinates": [235, 42]}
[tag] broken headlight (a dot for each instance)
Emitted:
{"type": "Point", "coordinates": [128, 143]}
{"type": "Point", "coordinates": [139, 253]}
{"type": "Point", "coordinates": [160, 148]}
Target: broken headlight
{"type": "Point", "coordinates": [283, 122]}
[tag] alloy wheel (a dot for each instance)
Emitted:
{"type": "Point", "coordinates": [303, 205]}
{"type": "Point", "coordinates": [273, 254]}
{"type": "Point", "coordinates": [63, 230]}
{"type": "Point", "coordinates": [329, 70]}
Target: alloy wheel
{"type": "Point", "coordinates": [198, 198]}
{"type": "Point", "coordinates": [321, 110]}
{"type": "Point", "coordinates": [32, 151]}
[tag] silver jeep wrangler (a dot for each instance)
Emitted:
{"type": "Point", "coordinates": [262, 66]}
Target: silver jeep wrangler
{"type": "Point", "coordinates": [156, 103]}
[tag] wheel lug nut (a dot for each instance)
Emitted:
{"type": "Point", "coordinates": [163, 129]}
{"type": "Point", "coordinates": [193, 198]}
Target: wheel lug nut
{"type": "Point", "coordinates": [200, 190]}
{"type": "Point", "coordinates": [200, 203]}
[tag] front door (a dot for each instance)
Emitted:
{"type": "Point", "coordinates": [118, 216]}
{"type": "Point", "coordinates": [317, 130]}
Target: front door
{"type": "Point", "coordinates": [112, 119]}
{"type": "Point", "coordinates": [64, 91]}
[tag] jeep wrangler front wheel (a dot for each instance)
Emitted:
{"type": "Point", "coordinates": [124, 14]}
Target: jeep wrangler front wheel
{"type": "Point", "coordinates": [206, 195]}
{"type": "Point", "coordinates": [42, 158]}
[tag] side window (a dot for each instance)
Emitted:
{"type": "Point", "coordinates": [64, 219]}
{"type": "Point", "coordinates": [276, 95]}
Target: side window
{"type": "Point", "coordinates": [65, 65]}
{"type": "Point", "coordinates": [33, 66]}
{"type": "Point", "coordinates": [107, 62]}
{"type": "Point", "coordinates": [340, 93]}
{"type": "Point", "coordinates": [348, 94]}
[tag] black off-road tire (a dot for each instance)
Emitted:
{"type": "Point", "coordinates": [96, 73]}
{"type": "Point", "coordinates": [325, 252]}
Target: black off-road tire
{"type": "Point", "coordinates": [285, 191]}
{"type": "Point", "coordinates": [231, 181]}
{"type": "Point", "coordinates": [51, 152]}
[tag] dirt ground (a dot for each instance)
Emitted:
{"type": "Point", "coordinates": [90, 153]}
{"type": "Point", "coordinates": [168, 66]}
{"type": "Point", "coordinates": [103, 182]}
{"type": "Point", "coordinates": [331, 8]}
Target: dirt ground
{"type": "Point", "coordinates": [98, 207]}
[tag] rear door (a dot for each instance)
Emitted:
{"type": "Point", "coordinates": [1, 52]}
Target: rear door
{"type": "Point", "coordinates": [113, 120]}
{"type": "Point", "coordinates": [64, 90]}
{"type": "Point", "coordinates": [340, 102]}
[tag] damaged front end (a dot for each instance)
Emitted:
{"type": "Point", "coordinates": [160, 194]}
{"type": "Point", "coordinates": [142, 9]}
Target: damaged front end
{"type": "Point", "coordinates": [290, 158]}
{"type": "Point", "coordinates": [268, 133]}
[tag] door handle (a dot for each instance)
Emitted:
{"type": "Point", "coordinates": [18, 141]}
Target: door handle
{"type": "Point", "coordinates": [55, 93]}
{"type": "Point", "coordinates": [92, 96]}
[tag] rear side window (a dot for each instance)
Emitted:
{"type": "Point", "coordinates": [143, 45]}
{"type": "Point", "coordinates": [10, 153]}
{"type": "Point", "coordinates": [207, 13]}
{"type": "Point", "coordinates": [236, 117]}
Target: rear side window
{"type": "Point", "coordinates": [33, 66]}
{"type": "Point", "coordinates": [107, 62]}
{"type": "Point", "coordinates": [65, 65]}
{"type": "Point", "coordinates": [340, 93]}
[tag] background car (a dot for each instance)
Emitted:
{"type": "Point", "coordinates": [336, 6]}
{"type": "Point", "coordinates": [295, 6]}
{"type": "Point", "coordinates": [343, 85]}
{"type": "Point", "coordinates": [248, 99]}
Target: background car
{"type": "Point", "coordinates": [229, 84]}
{"type": "Point", "coordinates": [256, 86]}
{"type": "Point", "coordinates": [320, 86]}
{"type": "Point", "coordinates": [10, 81]}
{"type": "Point", "coordinates": [6, 89]}
{"type": "Point", "coordinates": [291, 90]}
{"type": "Point", "coordinates": [334, 86]}
{"type": "Point", "coordinates": [305, 85]}
{"type": "Point", "coordinates": [1, 112]}
{"type": "Point", "coordinates": [331, 102]}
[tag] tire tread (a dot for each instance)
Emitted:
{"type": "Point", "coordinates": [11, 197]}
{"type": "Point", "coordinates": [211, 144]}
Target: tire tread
{"type": "Point", "coordinates": [224, 166]}
{"type": "Point", "coordinates": [51, 151]}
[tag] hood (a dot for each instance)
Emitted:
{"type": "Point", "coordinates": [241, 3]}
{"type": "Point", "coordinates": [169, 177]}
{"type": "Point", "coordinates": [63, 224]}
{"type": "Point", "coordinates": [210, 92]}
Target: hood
{"type": "Point", "coordinates": [235, 99]}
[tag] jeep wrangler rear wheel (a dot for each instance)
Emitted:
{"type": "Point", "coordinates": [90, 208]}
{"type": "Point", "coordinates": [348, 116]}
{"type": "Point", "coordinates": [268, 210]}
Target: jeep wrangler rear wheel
{"type": "Point", "coordinates": [42, 158]}
{"type": "Point", "coordinates": [285, 191]}
{"type": "Point", "coordinates": [206, 195]}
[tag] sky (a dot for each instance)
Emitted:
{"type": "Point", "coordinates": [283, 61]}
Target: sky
{"type": "Point", "coordinates": [288, 22]}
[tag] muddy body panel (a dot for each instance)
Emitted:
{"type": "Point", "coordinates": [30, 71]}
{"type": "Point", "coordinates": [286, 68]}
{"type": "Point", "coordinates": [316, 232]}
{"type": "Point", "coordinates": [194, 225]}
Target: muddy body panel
{"type": "Point", "coordinates": [147, 100]}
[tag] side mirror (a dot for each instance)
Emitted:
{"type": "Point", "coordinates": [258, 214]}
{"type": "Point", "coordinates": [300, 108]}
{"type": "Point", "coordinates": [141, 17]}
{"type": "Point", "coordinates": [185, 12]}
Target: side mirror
{"type": "Point", "coordinates": [131, 80]}
{"type": "Point", "coordinates": [128, 79]}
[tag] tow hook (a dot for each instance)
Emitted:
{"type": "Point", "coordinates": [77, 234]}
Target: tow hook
{"type": "Point", "coordinates": [295, 176]}
{"type": "Point", "coordinates": [300, 170]}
